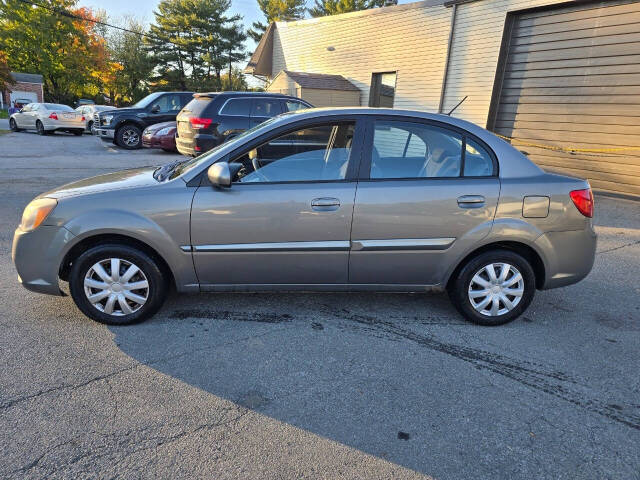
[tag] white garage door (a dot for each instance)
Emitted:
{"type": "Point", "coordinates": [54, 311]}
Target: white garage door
{"type": "Point", "coordinates": [572, 80]}
{"type": "Point", "coordinates": [18, 95]}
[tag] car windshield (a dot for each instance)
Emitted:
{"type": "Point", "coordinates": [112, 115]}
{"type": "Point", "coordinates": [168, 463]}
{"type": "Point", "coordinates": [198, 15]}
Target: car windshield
{"type": "Point", "coordinates": [144, 103]}
{"type": "Point", "coordinates": [57, 106]}
{"type": "Point", "coordinates": [102, 108]}
{"type": "Point", "coordinates": [174, 170]}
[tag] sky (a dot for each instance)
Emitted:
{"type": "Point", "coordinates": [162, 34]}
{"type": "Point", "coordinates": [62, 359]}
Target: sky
{"type": "Point", "coordinates": [143, 10]}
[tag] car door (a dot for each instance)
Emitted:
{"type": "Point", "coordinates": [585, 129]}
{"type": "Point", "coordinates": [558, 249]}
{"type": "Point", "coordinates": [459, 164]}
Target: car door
{"type": "Point", "coordinates": [21, 115]}
{"type": "Point", "coordinates": [285, 220]}
{"type": "Point", "coordinates": [165, 108]}
{"type": "Point", "coordinates": [26, 116]}
{"type": "Point", "coordinates": [263, 109]}
{"type": "Point", "coordinates": [425, 191]}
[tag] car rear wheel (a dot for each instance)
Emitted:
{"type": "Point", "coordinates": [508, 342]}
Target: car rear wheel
{"type": "Point", "coordinates": [493, 288]}
{"type": "Point", "coordinates": [13, 125]}
{"type": "Point", "coordinates": [129, 137]}
{"type": "Point", "coordinates": [117, 284]}
{"type": "Point", "coordinates": [40, 128]}
{"type": "Point", "coordinates": [90, 127]}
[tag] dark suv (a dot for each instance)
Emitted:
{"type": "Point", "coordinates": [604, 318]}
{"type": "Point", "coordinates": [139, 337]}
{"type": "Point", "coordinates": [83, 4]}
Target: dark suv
{"type": "Point", "coordinates": [124, 126]}
{"type": "Point", "coordinates": [212, 118]}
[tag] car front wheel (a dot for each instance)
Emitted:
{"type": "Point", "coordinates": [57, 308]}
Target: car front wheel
{"type": "Point", "coordinates": [129, 137]}
{"type": "Point", "coordinates": [493, 288]}
{"type": "Point", "coordinates": [117, 284]}
{"type": "Point", "coordinates": [13, 125]}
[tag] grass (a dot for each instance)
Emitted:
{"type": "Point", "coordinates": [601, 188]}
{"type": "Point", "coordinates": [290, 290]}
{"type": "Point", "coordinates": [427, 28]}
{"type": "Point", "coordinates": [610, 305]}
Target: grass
{"type": "Point", "coordinates": [4, 114]}
{"type": "Point", "coordinates": [2, 132]}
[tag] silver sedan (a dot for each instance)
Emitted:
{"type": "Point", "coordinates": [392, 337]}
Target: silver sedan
{"type": "Point", "coordinates": [344, 199]}
{"type": "Point", "coordinates": [47, 118]}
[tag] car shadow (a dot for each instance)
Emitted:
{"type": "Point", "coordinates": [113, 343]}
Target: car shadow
{"type": "Point", "coordinates": [338, 365]}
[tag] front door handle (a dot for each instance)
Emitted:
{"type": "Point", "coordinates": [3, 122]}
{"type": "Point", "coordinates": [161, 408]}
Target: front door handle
{"type": "Point", "coordinates": [471, 201]}
{"type": "Point", "coordinates": [325, 204]}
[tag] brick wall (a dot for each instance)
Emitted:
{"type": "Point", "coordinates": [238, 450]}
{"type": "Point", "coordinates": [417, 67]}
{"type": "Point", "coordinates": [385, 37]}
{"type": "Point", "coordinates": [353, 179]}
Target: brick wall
{"type": "Point", "coordinates": [23, 87]}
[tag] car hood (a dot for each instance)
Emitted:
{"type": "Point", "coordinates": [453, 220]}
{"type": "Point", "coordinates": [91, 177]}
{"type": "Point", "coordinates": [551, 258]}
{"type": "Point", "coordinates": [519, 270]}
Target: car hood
{"type": "Point", "coordinates": [125, 179]}
{"type": "Point", "coordinates": [159, 126]}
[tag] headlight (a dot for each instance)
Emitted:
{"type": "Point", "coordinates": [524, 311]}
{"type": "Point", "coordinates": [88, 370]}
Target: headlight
{"type": "Point", "coordinates": [107, 119]}
{"type": "Point", "coordinates": [36, 212]}
{"type": "Point", "coordinates": [163, 131]}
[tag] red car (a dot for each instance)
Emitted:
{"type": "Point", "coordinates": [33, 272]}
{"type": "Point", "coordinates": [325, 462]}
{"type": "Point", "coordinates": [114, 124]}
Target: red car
{"type": "Point", "coordinates": [160, 135]}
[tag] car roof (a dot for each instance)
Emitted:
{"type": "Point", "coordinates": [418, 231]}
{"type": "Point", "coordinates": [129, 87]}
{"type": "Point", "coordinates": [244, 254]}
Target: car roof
{"type": "Point", "coordinates": [247, 94]}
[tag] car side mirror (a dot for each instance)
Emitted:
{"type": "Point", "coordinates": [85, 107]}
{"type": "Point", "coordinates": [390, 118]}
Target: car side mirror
{"type": "Point", "coordinates": [219, 174]}
{"type": "Point", "coordinates": [155, 109]}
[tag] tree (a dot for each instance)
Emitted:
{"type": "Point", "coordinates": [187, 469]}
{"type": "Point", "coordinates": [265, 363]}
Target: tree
{"type": "Point", "coordinates": [193, 40]}
{"type": "Point", "coordinates": [277, 11]}
{"type": "Point", "coordinates": [5, 73]}
{"type": "Point", "coordinates": [238, 81]}
{"type": "Point", "coordinates": [335, 7]}
{"type": "Point", "coordinates": [127, 82]}
{"type": "Point", "coordinates": [68, 52]}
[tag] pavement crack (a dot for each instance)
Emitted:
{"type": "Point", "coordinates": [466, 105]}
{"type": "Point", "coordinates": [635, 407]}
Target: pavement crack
{"type": "Point", "coordinates": [619, 247]}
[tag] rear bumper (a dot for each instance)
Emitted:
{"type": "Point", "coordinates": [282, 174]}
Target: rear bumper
{"type": "Point", "coordinates": [197, 145]}
{"type": "Point", "coordinates": [61, 125]}
{"type": "Point", "coordinates": [37, 257]}
{"type": "Point", "coordinates": [569, 256]}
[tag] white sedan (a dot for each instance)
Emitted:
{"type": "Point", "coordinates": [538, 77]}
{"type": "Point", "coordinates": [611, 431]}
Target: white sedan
{"type": "Point", "coordinates": [47, 117]}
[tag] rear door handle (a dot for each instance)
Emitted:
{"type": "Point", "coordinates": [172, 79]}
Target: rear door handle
{"type": "Point", "coordinates": [325, 204]}
{"type": "Point", "coordinates": [471, 201]}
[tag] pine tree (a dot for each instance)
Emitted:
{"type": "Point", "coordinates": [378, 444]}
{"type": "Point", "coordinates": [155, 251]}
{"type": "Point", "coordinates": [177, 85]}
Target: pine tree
{"type": "Point", "coordinates": [335, 7]}
{"type": "Point", "coordinates": [277, 11]}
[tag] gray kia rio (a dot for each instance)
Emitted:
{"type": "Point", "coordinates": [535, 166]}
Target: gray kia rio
{"type": "Point", "coordinates": [322, 199]}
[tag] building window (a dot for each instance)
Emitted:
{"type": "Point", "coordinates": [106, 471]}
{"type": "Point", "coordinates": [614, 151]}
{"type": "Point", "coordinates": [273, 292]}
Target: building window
{"type": "Point", "coordinates": [383, 89]}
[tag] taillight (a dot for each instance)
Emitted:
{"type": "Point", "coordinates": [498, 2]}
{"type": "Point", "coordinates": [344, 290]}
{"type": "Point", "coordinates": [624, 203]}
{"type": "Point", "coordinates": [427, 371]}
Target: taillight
{"type": "Point", "coordinates": [583, 200]}
{"type": "Point", "coordinates": [83, 119]}
{"type": "Point", "coordinates": [53, 116]}
{"type": "Point", "coordinates": [197, 122]}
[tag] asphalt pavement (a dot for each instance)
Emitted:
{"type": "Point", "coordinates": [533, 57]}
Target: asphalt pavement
{"type": "Point", "coordinates": [314, 385]}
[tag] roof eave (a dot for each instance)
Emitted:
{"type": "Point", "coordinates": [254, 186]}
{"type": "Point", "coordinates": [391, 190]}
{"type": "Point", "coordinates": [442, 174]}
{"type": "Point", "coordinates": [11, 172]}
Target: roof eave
{"type": "Point", "coordinates": [261, 61]}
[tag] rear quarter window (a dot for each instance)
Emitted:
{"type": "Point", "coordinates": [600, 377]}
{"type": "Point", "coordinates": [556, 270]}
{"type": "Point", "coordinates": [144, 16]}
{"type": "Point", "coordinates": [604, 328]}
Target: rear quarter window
{"type": "Point", "coordinates": [237, 106]}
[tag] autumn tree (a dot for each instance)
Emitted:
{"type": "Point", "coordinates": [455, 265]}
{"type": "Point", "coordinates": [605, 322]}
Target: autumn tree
{"type": "Point", "coordinates": [68, 51]}
{"type": "Point", "coordinates": [334, 7]}
{"type": "Point", "coordinates": [5, 72]}
{"type": "Point", "coordinates": [276, 11]}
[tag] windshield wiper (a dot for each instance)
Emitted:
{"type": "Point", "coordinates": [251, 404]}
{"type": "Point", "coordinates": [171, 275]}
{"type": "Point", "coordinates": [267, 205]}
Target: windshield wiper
{"type": "Point", "coordinates": [161, 173]}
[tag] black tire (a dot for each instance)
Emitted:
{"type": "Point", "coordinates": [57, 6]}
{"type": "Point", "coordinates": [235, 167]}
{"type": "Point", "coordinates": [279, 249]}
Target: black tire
{"type": "Point", "coordinates": [13, 125]}
{"type": "Point", "coordinates": [460, 285]}
{"type": "Point", "coordinates": [90, 127]}
{"type": "Point", "coordinates": [40, 128]}
{"type": "Point", "coordinates": [157, 284]}
{"type": "Point", "coordinates": [78, 132]}
{"type": "Point", "coordinates": [124, 135]}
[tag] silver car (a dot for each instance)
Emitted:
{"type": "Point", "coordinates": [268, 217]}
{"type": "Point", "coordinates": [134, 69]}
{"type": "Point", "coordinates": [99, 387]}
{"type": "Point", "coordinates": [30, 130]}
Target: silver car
{"type": "Point", "coordinates": [46, 118]}
{"type": "Point", "coordinates": [325, 199]}
{"type": "Point", "coordinates": [88, 112]}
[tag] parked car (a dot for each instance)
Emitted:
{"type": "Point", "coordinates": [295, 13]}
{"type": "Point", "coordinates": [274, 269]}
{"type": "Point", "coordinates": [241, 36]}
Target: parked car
{"type": "Point", "coordinates": [89, 112]}
{"type": "Point", "coordinates": [21, 102]}
{"type": "Point", "coordinates": [324, 199]}
{"type": "Point", "coordinates": [124, 126]}
{"type": "Point", "coordinates": [213, 118]}
{"type": "Point", "coordinates": [160, 135]}
{"type": "Point", "coordinates": [46, 118]}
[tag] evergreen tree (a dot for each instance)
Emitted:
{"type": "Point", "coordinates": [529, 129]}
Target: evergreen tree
{"type": "Point", "coordinates": [334, 7]}
{"type": "Point", "coordinates": [276, 11]}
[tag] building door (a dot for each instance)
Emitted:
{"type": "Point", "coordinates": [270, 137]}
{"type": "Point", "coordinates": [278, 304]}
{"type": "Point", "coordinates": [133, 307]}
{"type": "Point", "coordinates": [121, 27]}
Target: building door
{"type": "Point", "coordinates": [570, 77]}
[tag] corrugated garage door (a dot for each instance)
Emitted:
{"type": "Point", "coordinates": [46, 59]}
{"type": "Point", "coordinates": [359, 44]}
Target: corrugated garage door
{"type": "Point", "coordinates": [571, 78]}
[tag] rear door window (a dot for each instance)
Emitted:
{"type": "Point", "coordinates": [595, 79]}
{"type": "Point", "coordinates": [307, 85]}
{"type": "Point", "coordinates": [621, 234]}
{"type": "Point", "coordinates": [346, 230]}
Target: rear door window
{"type": "Point", "coordinates": [197, 106]}
{"type": "Point", "coordinates": [265, 108]}
{"type": "Point", "coordinates": [237, 107]}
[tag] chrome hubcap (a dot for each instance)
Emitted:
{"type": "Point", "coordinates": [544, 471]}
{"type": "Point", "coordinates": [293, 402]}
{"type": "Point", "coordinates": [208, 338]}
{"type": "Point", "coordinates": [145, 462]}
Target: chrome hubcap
{"type": "Point", "coordinates": [496, 289]}
{"type": "Point", "coordinates": [130, 137]}
{"type": "Point", "coordinates": [116, 287]}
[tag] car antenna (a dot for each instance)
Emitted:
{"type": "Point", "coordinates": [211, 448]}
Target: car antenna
{"type": "Point", "coordinates": [459, 103]}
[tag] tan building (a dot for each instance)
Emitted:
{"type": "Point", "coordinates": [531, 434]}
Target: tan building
{"type": "Point", "coordinates": [555, 75]}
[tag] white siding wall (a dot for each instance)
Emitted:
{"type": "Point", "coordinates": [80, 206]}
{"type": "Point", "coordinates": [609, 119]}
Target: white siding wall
{"type": "Point", "coordinates": [474, 54]}
{"type": "Point", "coordinates": [410, 39]}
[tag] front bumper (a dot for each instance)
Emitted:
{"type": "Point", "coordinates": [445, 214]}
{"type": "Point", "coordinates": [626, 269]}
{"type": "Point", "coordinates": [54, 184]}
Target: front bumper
{"type": "Point", "coordinates": [105, 133]}
{"type": "Point", "coordinates": [37, 256]}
